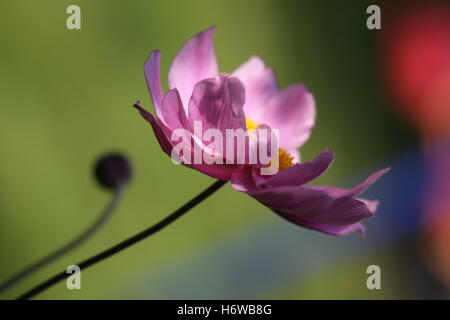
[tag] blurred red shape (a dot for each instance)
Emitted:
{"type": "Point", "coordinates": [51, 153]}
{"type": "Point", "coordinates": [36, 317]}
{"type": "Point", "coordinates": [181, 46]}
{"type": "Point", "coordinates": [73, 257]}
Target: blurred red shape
{"type": "Point", "coordinates": [416, 63]}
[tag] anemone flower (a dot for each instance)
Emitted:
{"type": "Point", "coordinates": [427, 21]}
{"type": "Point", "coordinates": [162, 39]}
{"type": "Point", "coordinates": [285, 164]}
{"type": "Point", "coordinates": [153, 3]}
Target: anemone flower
{"type": "Point", "coordinates": [249, 100]}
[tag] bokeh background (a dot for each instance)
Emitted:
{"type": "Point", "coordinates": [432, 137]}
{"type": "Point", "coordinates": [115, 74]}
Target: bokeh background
{"type": "Point", "coordinates": [383, 99]}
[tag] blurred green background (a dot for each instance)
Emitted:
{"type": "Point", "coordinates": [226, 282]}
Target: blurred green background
{"type": "Point", "coordinates": [66, 98]}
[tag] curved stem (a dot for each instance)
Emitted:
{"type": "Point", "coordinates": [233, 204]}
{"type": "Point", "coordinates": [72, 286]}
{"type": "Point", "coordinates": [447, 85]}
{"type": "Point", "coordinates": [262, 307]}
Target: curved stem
{"type": "Point", "coordinates": [128, 242]}
{"type": "Point", "coordinates": [101, 220]}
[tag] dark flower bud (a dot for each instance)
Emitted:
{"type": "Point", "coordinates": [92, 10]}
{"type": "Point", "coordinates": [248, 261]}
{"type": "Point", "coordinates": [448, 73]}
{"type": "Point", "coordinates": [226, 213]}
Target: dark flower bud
{"type": "Point", "coordinates": [113, 170]}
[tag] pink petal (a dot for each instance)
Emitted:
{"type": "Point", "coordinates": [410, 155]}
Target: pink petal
{"type": "Point", "coordinates": [242, 179]}
{"type": "Point", "coordinates": [360, 188]}
{"type": "Point", "coordinates": [172, 111]}
{"type": "Point", "coordinates": [260, 83]}
{"type": "Point", "coordinates": [248, 179]}
{"type": "Point", "coordinates": [331, 210]}
{"type": "Point", "coordinates": [372, 205]}
{"type": "Point", "coordinates": [216, 171]}
{"type": "Point", "coordinates": [295, 154]}
{"type": "Point", "coordinates": [194, 62]}
{"type": "Point", "coordinates": [316, 209]}
{"type": "Point", "coordinates": [161, 136]}
{"type": "Point", "coordinates": [152, 75]}
{"type": "Point", "coordinates": [217, 103]}
{"type": "Point", "coordinates": [302, 173]}
{"type": "Point", "coordinates": [293, 112]}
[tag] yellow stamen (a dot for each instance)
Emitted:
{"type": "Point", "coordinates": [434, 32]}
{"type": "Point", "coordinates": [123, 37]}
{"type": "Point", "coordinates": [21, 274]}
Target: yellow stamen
{"type": "Point", "coordinates": [251, 125]}
{"type": "Point", "coordinates": [285, 160]}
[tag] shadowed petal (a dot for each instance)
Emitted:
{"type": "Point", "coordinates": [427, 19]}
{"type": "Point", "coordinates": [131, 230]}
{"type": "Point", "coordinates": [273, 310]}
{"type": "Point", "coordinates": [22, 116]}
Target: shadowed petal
{"type": "Point", "coordinates": [217, 103]}
{"type": "Point", "coordinates": [194, 62]}
{"type": "Point", "coordinates": [316, 209]}
{"type": "Point", "coordinates": [217, 171]}
{"type": "Point", "coordinates": [331, 210]}
{"type": "Point", "coordinates": [333, 230]}
{"type": "Point", "coordinates": [246, 178]}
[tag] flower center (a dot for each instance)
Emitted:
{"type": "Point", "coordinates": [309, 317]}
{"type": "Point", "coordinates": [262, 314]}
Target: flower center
{"type": "Point", "coordinates": [285, 160]}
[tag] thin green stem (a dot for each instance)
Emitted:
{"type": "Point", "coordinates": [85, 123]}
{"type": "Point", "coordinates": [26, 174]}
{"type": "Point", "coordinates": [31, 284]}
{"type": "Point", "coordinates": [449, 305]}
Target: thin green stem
{"type": "Point", "coordinates": [128, 242]}
{"type": "Point", "coordinates": [80, 239]}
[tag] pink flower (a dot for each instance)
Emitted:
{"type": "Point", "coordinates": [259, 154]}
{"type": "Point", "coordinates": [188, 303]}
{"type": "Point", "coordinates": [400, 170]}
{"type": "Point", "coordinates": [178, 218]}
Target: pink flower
{"type": "Point", "coordinates": [249, 99]}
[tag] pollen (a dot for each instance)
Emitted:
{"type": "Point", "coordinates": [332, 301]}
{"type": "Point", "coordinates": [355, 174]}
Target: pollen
{"type": "Point", "coordinates": [285, 160]}
{"type": "Point", "coordinates": [251, 125]}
